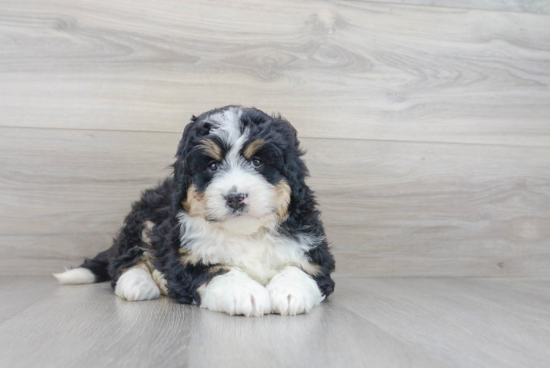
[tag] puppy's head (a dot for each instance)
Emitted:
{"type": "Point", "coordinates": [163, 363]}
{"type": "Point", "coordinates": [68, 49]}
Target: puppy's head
{"type": "Point", "coordinates": [237, 168]}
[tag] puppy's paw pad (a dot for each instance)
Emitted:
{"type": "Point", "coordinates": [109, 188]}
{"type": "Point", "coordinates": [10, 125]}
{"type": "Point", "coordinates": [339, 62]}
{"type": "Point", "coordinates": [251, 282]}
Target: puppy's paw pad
{"type": "Point", "coordinates": [136, 284]}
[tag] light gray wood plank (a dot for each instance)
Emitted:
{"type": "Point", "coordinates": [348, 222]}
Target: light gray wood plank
{"type": "Point", "coordinates": [494, 322]}
{"type": "Point", "coordinates": [365, 323]}
{"type": "Point", "coordinates": [20, 293]}
{"type": "Point", "coordinates": [390, 208]}
{"type": "Point", "coordinates": [522, 6]}
{"type": "Point", "coordinates": [89, 326]}
{"type": "Point", "coordinates": [343, 69]}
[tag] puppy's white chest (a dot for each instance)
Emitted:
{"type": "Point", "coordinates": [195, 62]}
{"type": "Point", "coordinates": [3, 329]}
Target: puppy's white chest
{"type": "Point", "coordinates": [261, 259]}
{"type": "Point", "coordinates": [261, 256]}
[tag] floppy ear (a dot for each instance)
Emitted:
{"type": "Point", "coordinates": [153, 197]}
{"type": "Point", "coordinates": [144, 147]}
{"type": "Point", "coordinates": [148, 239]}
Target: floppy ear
{"type": "Point", "coordinates": [180, 184]}
{"type": "Point", "coordinates": [182, 180]}
{"type": "Point", "coordinates": [302, 211]}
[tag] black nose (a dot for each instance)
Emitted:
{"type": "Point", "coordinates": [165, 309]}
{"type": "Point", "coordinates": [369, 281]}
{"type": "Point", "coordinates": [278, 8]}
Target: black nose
{"type": "Point", "coordinates": [235, 200]}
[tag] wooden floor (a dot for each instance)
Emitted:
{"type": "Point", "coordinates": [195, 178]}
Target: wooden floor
{"type": "Point", "coordinates": [384, 322]}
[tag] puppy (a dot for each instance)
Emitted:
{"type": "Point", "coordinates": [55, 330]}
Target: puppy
{"type": "Point", "coordinates": [235, 229]}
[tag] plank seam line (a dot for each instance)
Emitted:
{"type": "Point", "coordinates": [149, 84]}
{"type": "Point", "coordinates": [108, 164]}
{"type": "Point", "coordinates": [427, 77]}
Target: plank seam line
{"type": "Point", "coordinates": [300, 137]}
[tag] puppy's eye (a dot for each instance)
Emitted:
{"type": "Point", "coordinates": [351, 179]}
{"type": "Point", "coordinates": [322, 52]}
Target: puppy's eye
{"type": "Point", "coordinates": [256, 162]}
{"type": "Point", "coordinates": [213, 166]}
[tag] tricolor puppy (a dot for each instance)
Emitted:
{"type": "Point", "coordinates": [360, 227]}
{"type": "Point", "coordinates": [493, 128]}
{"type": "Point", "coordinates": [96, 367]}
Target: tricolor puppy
{"type": "Point", "coordinates": [236, 229]}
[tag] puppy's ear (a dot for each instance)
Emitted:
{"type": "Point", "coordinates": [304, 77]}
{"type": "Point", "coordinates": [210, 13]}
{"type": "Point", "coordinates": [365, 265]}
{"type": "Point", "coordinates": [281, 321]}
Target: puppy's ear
{"type": "Point", "coordinates": [180, 184]}
{"type": "Point", "coordinates": [182, 180]}
{"type": "Point", "coordinates": [302, 209]}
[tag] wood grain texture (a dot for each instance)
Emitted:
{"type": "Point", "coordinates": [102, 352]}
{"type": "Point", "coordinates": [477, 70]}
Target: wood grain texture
{"type": "Point", "coordinates": [341, 69]}
{"type": "Point", "coordinates": [428, 127]}
{"type": "Point", "coordinates": [396, 322]}
{"type": "Point", "coordinates": [390, 208]}
{"type": "Point", "coordinates": [19, 293]}
{"type": "Point", "coordinates": [521, 6]}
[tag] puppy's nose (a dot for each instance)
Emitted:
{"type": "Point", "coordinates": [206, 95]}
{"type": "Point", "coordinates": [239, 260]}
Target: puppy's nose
{"type": "Point", "coordinates": [235, 200]}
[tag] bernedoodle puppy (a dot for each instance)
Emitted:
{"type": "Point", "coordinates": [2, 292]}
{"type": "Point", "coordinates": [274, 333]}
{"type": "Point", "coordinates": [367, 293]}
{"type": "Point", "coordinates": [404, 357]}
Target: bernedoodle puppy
{"type": "Point", "coordinates": [235, 229]}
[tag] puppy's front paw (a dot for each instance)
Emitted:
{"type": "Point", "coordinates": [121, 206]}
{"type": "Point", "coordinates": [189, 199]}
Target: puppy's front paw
{"type": "Point", "coordinates": [136, 284]}
{"type": "Point", "coordinates": [293, 292]}
{"type": "Point", "coordinates": [236, 293]}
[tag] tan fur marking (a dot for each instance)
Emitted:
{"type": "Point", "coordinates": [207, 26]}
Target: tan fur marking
{"type": "Point", "coordinates": [312, 269]}
{"type": "Point", "coordinates": [147, 260]}
{"type": "Point", "coordinates": [147, 227]}
{"type": "Point", "coordinates": [161, 282]}
{"type": "Point", "coordinates": [283, 199]}
{"type": "Point", "coordinates": [217, 268]}
{"type": "Point", "coordinates": [194, 204]}
{"type": "Point", "coordinates": [211, 149]}
{"type": "Point", "coordinates": [253, 147]}
{"type": "Point", "coordinates": [188, 257]}
{"type": "Point", "coordinates": [143, 265]}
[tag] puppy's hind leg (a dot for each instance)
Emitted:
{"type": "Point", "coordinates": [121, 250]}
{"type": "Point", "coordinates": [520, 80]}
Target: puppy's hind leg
{"type": "Point", "coordinates": [137, 283]}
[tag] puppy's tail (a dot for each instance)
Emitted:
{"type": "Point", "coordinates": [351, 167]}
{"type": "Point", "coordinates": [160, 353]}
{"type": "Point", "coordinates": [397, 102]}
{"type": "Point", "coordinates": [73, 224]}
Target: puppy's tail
{"type": "Point", "coordinates": [92, 270]}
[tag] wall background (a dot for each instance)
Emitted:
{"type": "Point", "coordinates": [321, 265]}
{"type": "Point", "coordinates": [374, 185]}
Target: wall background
{"type": "Point", "coordinates": [427, 126]}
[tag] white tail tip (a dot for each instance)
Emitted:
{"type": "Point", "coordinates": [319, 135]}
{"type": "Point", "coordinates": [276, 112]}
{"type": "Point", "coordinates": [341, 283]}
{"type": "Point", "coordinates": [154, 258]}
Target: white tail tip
{"type": "Point", "coordinates": [75, 276]}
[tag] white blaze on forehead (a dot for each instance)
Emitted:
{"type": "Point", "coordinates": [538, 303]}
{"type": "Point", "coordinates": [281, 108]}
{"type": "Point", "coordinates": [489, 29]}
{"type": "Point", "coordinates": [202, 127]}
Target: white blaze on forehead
{"type": "Point", "coordinates": [227, 124]}
{"type": "Point", "coordinates": [233, 158]}
{"type": "Point", "coordinates": [235, 170]}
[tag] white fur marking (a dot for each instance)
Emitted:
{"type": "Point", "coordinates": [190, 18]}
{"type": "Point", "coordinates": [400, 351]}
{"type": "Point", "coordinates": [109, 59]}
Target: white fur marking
{"type": "Point", "coordinates": [293, 292]}
{"type": "Point", "coordinates": [235, 293]}
{"type": "Point", "coordinates": [137, 284]}
{"type": "Point", "coordinates": [75, 276]}
{"type": "Point", "coordinates": [228, 124]}
{"type": "Point", "coordinates": [261, 255]}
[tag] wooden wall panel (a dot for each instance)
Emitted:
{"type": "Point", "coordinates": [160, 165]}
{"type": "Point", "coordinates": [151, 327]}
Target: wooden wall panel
{"type": "Point", "coordinates": [521, 6]}
{"type": "Point", "coordinates": [427, 126]}
{"type": "Point", "coordinates": [342, 69]}
{"type": "Point", "coordinates": [390, 208]}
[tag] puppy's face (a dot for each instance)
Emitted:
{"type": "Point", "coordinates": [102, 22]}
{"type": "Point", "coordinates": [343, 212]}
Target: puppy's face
{"type": "Point", "coordinates": [235, 165]}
